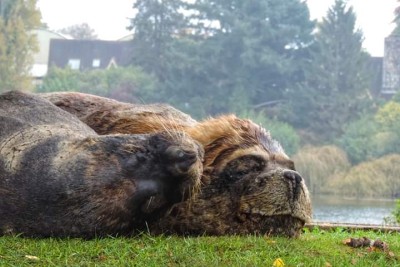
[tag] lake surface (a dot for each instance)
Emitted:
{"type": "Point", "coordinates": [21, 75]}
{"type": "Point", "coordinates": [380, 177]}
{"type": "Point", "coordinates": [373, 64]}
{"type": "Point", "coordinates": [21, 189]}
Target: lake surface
{"type": "Point", "coordinates": [334, 209]}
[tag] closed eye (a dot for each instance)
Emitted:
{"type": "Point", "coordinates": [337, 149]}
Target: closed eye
{"type": "Point", "coordinates": [242, 166]}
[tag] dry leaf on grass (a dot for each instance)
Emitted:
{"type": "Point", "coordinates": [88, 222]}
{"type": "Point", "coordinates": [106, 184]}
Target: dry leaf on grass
{"type": "Point", "coordinates": [32, 258]}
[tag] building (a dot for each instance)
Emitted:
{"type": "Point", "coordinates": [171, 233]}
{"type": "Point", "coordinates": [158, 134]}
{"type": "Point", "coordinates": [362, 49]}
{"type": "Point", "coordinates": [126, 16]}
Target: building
{"type": "Point", "coordinates": [89, 54]}
{"type": "Point", "coordinates": [391, 66]}
{"type": "Point", "coordinates": [41, 58]}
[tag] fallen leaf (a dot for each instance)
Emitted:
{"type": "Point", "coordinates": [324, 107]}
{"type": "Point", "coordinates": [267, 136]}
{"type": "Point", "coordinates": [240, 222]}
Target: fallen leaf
{"type": "Point", "coordinates": [32, 258]}
{"type": "Point", "coordinates": [278, 263]}
{"type": "Point", "coordinates": [354, 261]}
{"type": "Point", "coordinates": [327, 264]}
{"type": "Point", "coordinates": [347, 241]}
{"type": "Point", "coordinates": [391, 254]}
{"type": "Point", "coordinates": [102, 257]}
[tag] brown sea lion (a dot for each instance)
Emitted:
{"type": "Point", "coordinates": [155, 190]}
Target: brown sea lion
{"type": "Point", "coordinates": [249, 185]}
{"type": "Point", "coordinates": [59, 178]}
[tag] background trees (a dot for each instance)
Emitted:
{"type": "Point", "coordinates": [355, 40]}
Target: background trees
{"type": "Point", "coordinates": [17, 18]}
{"type": "Point", "coordinates": [80, 31]}
{"type": "Point", "coordinates": [336, 80]}
{"type": "Point", "coordinates": [221, 56]}
{"type": "Point", "coordinates": [156, 24]}
{"type": "Point", "coordinates": [265, 60]}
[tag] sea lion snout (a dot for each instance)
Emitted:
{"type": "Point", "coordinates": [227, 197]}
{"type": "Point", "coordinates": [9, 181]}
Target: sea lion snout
{"type": "Point", "coordinates": [294, 179]}
{"type": "Point", "coordinates": [293, 176]}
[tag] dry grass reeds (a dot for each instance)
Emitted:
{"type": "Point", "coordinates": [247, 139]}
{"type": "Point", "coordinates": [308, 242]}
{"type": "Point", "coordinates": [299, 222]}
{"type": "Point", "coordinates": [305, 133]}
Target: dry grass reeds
{"type": "Point", "coordinates": [318, 165]}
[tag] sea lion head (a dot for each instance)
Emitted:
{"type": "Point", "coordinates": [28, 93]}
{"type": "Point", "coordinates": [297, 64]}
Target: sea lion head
{"type": "Point", "coordinates": [250, 186]}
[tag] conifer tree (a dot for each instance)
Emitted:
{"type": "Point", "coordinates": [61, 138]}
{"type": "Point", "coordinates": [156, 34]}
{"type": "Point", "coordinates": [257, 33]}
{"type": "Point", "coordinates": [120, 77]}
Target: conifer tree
{"type": "Point", "coordinates": [336, 78]}
{"type": "Point", "coordinates": [155, 25]}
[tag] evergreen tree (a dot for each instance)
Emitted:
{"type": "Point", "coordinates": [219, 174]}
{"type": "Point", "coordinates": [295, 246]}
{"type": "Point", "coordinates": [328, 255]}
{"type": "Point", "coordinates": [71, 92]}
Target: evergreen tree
{"type": "Point", "coordinates": [396, 31]}
{"type": "Point", "coordinates": [155, 25]}
{"type": "Point", "coordinates": [255, 46]}
{"type": "Point", "coordinates": [221, 56]}
{"type": "Point", "coordinates": [336, 77]}
{"type": "Point", "coordinates": [17, 18]}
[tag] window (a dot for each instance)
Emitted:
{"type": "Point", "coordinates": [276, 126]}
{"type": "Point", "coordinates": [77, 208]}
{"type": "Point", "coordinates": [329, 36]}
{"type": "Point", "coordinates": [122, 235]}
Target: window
{"type": "Point", "coordinates": [96, 63]}
{"type": "Point", "coordinates": [74, 63]}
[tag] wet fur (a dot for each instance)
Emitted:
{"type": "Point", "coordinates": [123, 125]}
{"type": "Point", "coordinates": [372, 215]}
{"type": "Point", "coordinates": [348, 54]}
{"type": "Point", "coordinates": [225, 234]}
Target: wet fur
{"type": "Point", "coordinates": [249, 185]}
{"type": "Point", "coordinates": [59, 178]}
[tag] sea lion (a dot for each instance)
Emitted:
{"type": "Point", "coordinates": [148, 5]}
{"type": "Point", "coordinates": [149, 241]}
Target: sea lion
{"type": "Point", "coordinates": [249, 185]}
{"type": "Point", "coordinates": [59, 178]}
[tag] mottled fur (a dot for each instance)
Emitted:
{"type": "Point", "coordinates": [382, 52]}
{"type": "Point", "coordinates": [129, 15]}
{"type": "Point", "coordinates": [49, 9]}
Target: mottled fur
{"type": "Point", "coordinates": [249, 185]}
{"type": "Point", "coordinates": [59, 178]}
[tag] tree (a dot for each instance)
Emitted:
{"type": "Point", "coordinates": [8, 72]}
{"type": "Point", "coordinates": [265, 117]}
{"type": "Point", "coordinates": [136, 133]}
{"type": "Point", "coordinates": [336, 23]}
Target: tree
{"type": "Point", "coordinates": [80, 31]}
{"type": "Point", "coordinates": [221, 56]}
{"type": "Point", "coordinates": [253, 48]}
{"type": "Point", "coordinates": [396, 30]}
{"type": "Point", "coordinates": [335, 86]}
{"type": "Point", "coordinates": [154, 26]}
{"type": "Point", "coordinates": [17, 19]}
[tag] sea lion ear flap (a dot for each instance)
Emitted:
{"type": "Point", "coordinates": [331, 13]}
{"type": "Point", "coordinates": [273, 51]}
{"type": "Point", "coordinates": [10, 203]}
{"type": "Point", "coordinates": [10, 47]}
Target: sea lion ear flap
{"type": "Point", "coordinates": [291, 165]}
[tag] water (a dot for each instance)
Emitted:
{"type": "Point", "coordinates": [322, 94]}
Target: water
{"type": "Point", "coordinates": [334, 209]}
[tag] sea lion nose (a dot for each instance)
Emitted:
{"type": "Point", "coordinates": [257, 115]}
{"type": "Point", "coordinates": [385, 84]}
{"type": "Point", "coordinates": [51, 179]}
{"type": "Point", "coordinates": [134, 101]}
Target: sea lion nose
{"type": "Point", "coordinates": [292, 176]}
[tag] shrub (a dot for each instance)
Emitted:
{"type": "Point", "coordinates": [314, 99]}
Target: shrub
{"type": "Point", "coordinates": [396, 212]}
{"type": "Point", "coordinates": [320, 164]}
{"type": "Point", "coordinates": [370, 138]}
{"type": "Point", "coordinates": [124, 84]}
{"type": "Point", "coordinates": [357, 139]}
{"type": "Point", "coordinates": [377, 178]}
{"type": "Point", "coordinates": [281, 131]}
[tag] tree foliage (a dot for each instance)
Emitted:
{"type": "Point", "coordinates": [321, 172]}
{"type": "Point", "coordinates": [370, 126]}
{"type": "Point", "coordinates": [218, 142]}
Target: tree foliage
{"type": "Point", "coordinates": [124, 84]}
{"type": "Point", "coordinates": [154, 27]}
{"type": "Point", "coordinates": [80, 31]}
{"type": "Point", "coordinates": [219, 56]}
{"type": "Point", "coordinates": [335, 87]}
{"type": "Point", "coordinates": [360, 139]}
{"type": "Point", "coordinates": [256, 44]}
{"type": "Point", "coordinates": [17, 19]}
{"type": "Point", "coordinates": [396, 30]}
{"type": "Point", "coordinates": [389, 116]}
{"type": "Point", "coordinates": [280, 131]}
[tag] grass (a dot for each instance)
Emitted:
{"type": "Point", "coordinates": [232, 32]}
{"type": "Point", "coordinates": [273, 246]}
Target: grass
{"type": "Point", "coordinates": [313, 248]}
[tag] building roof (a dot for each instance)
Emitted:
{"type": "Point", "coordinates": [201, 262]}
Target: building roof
{"type": "Point", "coordinates": [89, 54]}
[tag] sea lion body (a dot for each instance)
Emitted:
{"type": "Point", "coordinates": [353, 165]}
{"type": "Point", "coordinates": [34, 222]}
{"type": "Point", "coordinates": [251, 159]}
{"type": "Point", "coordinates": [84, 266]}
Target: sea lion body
{"type": "Point", "coordinates": [107, 116]}
{"type": "Point", "coordinates": [249, 185]}
{"type": "Point", "coordinates": [59, 178]}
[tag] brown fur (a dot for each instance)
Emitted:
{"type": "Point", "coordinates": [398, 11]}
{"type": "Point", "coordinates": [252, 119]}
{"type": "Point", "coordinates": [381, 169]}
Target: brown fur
{"type": "Point", "coordinates": [249, 185]}
{"type": "Point", "coordinates": [59, 178]}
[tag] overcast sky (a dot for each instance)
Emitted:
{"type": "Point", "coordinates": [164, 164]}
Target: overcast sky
{"type": "Point", "coordinates": [109, 18]}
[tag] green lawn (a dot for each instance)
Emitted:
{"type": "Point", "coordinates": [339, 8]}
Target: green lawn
{"type": "Point", "coordinates": [315, 248]}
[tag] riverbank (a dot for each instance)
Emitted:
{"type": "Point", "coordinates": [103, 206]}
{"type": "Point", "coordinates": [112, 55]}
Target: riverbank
{"type": "Point", "coordinates": [313, 248]}
{"type": "Point", "coordinates": [346, 210]}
